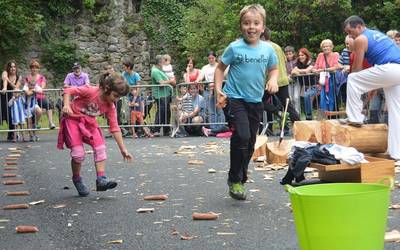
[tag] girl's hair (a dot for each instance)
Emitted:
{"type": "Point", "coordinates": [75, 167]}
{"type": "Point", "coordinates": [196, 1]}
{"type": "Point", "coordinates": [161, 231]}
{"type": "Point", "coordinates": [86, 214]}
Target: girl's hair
{"type": "Point", "coordinates": [114, 82]}
{"type": "Point", "coordinates": [34, 64]}
{"type": "Point", "coordinates": [255, 8]}
{"type": "Point", "coordinates": [191, 59]}
{"type": "Point", "coordinates": [326, 41]}
{"type": "Point", "coordinates": [8, 66]}
{"type": "Point", "coordinates": [212, 53]}
{"type": "Point", "coordinates": [306, 53]}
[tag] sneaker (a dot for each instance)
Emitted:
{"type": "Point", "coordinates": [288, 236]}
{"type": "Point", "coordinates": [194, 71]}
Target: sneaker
{"type": "Point", "coordinates": [237, 191]}
{"type": "Point", "coordinates": [52, 126]}
{"type": "Point", "coordinates": [81, 188]}
{"type": "Point", "coordinates": [102, 184]}
{"type": "Point", "coordinates": [347, 122]}
{"type": "Point", "coordinates": [206, 131]}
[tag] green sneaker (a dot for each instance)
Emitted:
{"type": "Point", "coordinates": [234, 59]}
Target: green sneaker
{"type": "Point", "coordinates": [237, 191]}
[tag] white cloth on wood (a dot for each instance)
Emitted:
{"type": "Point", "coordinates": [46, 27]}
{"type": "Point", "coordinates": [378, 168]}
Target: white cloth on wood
{"type": "Point", "coordinates": [348, 155]}
{"type": "Point", "coordinates": [385, 76]}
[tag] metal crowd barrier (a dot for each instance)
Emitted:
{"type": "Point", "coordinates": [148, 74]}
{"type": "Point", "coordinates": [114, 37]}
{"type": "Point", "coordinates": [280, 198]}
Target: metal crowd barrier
{"type": "Point", "coordinates": [16, 108]}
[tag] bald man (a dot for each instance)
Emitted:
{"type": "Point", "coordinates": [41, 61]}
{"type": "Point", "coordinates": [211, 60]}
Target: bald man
{"type": "Point", "coordinates": [380, 51]}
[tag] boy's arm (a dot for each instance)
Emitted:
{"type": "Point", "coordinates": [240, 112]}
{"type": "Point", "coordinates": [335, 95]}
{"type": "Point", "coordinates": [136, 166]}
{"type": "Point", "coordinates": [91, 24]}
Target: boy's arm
{"type": "Point", "coordinates": [272, 84]}
{"type": "Point", "coordinates": [218, 79]}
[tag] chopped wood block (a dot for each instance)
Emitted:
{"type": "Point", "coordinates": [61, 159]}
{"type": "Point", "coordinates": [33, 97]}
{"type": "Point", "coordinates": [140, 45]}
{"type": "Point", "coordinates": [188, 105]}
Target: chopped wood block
{"type": "Point", "coordinates": [16, 206]}
{"type": "Point", "coordinates": [305, 130]}
{"type": "Point", "coordinates": [13, 182]}
{"type": "Point", "coordinates": [18, 193]}
{"type": "Point", "coordinates": [11, 158]}
{"type": "Point", "coordinates": [373, 171]}
{"type": "Point", "coordinates": [369, 138]}
{"type": "Point", "coordinates": [260, 148]}
{"type": "Point", "coordinates": [205, 216]}
{"type": "Point", "coordinates": [8, 175]}
{"type": "Point", "coordinates": [278, 153]}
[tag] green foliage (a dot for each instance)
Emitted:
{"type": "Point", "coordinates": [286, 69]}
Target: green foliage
{"type": "Point", "coordinates": [89, 4]}
{"type": "Point", "coordinates": [58, 56]}
{"type": "Point", "coordinates": [101, 17]}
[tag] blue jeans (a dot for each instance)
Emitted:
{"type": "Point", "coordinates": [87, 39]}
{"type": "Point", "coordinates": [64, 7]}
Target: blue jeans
{"type": "Point", "coordinates": [308, 95]}
{"type": "Point", "coordinates": [214, 114]}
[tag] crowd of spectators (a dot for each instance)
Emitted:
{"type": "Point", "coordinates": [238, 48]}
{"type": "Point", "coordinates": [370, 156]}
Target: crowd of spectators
{"type": "Point", "coordinates": [308, 84]}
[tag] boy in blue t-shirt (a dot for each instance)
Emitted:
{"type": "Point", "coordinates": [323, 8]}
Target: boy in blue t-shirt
{"type": "Point", "coordinates": [251, 62]}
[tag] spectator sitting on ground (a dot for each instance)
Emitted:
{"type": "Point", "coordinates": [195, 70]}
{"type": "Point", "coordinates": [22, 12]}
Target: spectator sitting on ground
{"type": "Point", "coordinates": [197, 116]}
{"type": "Point", "coordinates": [76, 77]}
{"type": "Point", "coordinates": [167, 67]}
{"type": "Point", "coordinates": [108, 69]}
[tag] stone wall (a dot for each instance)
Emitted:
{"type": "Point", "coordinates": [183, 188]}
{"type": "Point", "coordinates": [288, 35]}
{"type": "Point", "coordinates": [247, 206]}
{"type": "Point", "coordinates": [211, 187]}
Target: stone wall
{"type": "Point", "coordinates": [112, 41]}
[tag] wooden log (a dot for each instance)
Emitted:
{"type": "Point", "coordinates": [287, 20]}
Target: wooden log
{"type": "Point", "coordinates": [13, 182]}
{"type": "Point", "coordinates": [305, 130]}
{"type": "Point", "coordinates": [324, 131]}
{"type": "Point", "coordinates": [369, 138]}
{"type": "Point", "coordinates": [18, 193]}
{"type": "Point", "coordinates": [260, 148]}
{"type": "Point", "coordinates": [278, 153]}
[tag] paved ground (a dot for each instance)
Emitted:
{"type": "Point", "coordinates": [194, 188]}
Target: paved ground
{"type": "Point", "coordinates": [262, 222]}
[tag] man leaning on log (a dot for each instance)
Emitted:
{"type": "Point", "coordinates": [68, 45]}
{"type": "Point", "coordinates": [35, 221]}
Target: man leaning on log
{"type": "Point", "coordinates": [380, 51]}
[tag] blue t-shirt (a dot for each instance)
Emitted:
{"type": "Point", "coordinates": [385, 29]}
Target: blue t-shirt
{"type": "Point", "coordinates": [248, 69]}
{"type": "Point", "coordinates": [131, 79]}
{"type": "Point", "coordinates": [138, 101]}
{"type": "Point", "coordinates": [381, 49]}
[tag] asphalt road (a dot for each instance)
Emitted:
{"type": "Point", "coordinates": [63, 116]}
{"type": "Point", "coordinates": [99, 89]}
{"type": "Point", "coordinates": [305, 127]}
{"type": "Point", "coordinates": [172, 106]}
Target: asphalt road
{"type": "Point", "coordinates": [263, 221]}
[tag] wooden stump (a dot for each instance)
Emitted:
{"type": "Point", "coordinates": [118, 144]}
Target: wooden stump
{"type": "Point", "coordinates": [370, 138]}
{"type": "Point", "coordinates": [260, 148]}
{"type": "Point", "coordinates": [278, 153]}
{"type": "Point", "coordinates": [305, 130]}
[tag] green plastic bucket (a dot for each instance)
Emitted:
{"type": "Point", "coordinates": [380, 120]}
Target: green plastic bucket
{"type": "Point", "coordinates": [340, 216]}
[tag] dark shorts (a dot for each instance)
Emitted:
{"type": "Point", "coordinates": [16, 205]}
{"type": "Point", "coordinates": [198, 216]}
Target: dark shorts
{"type": "Point", "coordinates": [45, 104]}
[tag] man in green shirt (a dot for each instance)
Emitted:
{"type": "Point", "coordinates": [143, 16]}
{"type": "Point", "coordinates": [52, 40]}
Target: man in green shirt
{"type": "Point", "coordinates": [283, 83]}
{"type": "Point", "coordinates": [162, 95]}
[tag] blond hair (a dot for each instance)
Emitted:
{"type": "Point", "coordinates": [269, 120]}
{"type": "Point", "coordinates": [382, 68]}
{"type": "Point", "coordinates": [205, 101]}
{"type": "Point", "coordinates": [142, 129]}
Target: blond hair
{"type": "Point", "coordinates": [327, 42]}
{"type": "Point", "coordinates": [167, 57]}
{"type": "Point", "coordinates": [255, 8]}
{"type": "Point", "coordinates": [391, 33]}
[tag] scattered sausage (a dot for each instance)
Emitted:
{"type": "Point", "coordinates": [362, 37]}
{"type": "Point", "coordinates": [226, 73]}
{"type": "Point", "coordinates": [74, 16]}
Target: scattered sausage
{"type": "Point", "coordinates": [18, 193]}
{"type": "Point", "coordinates": [26, 229]}
{"type": "Point", "coordinates": [13, 182]}
{"type": "Point", "coordinates": [205, 216]}
{"type": "Point", "coordinates": [161, 197]}
{"type": "Point", "coordinates": [16, 206]}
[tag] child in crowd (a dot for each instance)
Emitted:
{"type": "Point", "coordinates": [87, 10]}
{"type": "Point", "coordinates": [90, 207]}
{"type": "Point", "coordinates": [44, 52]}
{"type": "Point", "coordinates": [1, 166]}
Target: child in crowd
{"type": "Point", "coordinates": [16, 105]}
{"type": "Point", "coordinates": [136, 104]}
{"type": "Point", "coordinates": [79, 125]}
{"type": "Point", "coordinates": [251, 62]}
{"type": "Point", "coordinates": [184, 107]}
{"type": "Point", "coordinates": [167, 67]}
{"type": "Point", "coordinates": [31, 88]}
